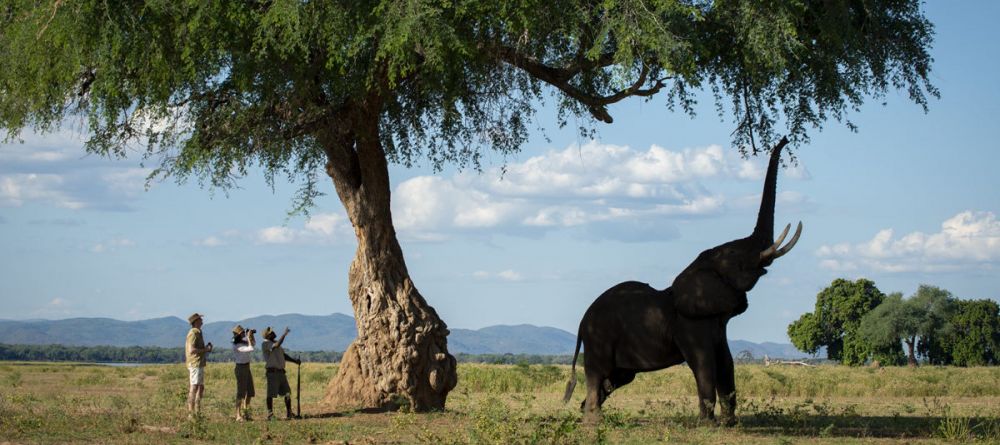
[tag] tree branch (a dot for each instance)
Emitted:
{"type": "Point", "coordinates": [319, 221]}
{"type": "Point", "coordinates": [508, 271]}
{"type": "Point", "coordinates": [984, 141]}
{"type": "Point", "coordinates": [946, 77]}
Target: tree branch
{"type": "Point", "coordinates": [560, 78]}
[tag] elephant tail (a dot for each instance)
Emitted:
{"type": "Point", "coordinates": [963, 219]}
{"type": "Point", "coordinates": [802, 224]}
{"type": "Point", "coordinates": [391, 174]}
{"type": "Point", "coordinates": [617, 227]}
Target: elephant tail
{"type": "Point", "coordinates": [572, 371]}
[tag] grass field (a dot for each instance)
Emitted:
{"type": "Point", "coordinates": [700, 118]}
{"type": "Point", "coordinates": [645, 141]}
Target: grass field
{"type": "Point", "coordinates": [59, 403]}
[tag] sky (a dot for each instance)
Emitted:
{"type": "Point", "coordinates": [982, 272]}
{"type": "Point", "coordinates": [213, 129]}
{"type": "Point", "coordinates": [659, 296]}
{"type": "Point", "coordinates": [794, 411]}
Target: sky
{"type": "Point", "coordinates": [909, 199]}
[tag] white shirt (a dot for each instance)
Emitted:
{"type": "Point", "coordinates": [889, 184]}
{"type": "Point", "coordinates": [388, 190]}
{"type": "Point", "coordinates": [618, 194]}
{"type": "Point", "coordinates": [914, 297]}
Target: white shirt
{"type": "Point", "coordinates": [242, 352]}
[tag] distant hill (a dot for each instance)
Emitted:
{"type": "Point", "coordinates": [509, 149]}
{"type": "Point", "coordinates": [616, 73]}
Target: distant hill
{"type": "Point", "coordinates": [770, 349]}
{"type": "Point", "coordinates": [95, 332]}
{"type": "Point", "coordinates": [310, 333]}
{"type": "Point", "coordinates": [522, 338]}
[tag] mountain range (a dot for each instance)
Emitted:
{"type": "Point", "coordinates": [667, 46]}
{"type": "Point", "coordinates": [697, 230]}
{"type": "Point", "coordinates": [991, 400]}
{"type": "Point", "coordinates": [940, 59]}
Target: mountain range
{"type": "Point", "coordinates": [310, 333]}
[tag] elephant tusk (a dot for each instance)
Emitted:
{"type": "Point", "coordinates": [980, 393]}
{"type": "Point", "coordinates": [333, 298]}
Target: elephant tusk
{"type": "Point", "coordinates": [774, 247]}
{"type": "Point", "coordinates": [795, 239]}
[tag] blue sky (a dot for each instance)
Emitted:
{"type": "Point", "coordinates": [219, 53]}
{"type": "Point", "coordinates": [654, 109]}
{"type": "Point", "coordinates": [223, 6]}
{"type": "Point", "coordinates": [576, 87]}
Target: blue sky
{"type": "Point", "coordinates": [910, 199]}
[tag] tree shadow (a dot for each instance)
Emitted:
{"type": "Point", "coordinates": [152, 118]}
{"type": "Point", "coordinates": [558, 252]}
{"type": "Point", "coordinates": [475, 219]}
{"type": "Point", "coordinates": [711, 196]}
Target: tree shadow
{"type": "Point", "coordinates": [865, 426]}
{"type": "Point", "coordinates": [321, 416]}
{"type": "Point", "coordinates": [335, 414]}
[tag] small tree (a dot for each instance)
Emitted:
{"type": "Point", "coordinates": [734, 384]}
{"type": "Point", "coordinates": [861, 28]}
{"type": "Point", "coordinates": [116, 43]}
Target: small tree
{"type": "Point", "coordinates": [835, 322]}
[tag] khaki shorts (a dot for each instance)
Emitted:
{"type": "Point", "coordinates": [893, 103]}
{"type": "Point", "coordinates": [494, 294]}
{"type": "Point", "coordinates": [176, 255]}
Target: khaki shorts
{"type": "Point", "coordinates": [197, 375]}
{"type": "Point", "coordinates": [277, 384]}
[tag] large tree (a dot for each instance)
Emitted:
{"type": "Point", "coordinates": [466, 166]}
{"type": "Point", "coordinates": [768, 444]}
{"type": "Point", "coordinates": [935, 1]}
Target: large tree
{"type": "Point", "coordinates": [211, 89]}
{"type": "Point", "coordinates": [836, 320]}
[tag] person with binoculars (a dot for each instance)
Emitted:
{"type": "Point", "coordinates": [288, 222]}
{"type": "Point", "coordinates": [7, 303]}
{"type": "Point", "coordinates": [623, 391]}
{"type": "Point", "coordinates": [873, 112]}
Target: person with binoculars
{"type": "Point", "coordinates": [243, 346]}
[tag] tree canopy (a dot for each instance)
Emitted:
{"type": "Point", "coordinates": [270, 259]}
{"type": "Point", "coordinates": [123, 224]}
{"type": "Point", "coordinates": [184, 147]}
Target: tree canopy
{"type": "Point", "coordinates": [835, 321]}
{"type": "Point", "coordinates": [975, 339]}
{"type": "Point", "coordinates": [212, 88]}
{"type": "Point", "coordinates": [932, 323]}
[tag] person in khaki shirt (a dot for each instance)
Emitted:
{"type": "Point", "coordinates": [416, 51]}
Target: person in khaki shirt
{"type": "Point", "coordinates": [274, 364]}
{"type": "Point", "coordinates": [195, 350]}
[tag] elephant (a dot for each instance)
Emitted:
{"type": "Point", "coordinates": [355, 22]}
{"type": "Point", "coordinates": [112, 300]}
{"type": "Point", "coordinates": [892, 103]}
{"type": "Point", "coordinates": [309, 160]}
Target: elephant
{"type": "Point", "coordinates": [633, 328]}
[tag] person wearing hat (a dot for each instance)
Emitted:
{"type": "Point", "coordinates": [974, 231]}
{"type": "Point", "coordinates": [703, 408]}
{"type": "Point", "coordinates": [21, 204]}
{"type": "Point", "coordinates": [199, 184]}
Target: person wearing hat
{"type": "Point", "coordinates": [274, 363]}
{"type": "Point", "coordinates": [195, 350]}
{"type": "Point", "coordinates": [243, 345]}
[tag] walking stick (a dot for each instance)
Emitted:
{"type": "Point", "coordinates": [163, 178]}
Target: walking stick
{"type": "Point", "coordinates": [298, 390]}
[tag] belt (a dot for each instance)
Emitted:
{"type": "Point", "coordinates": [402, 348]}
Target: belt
{"type": "Point", "coordinates": [242, 364]}
{"type": "Point", "coordinates": [274, 370]}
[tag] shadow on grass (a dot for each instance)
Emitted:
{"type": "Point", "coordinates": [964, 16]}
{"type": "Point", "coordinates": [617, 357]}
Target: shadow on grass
{"type": "Point", "coordinates": [846, 425]}
{"type": "Point", "coordinates": [865, 426]}
{"type": "Point", "coordinates": [321, 416]}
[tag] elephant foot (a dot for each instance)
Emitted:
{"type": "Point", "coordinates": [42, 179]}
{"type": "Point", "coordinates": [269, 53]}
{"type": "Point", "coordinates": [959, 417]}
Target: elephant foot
{"type": "Point", "coordinates": [707, 421]}
{"type": "Point", "coordinates": [727, 407]}
{"type": "Point", "coordinates": [591, 418]}
{"type": "Point", "coordinates": [727, 421]}
{"type": "Point", "coordinates": [707, 414]}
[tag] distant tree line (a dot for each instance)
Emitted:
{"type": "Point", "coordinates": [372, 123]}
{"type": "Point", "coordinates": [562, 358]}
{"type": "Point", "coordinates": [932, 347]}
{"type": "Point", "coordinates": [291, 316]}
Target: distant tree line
{"type": "Point", "coordinates": [857, 324]}
{"type": "Point", "coordinates": [133, 354]}
{"type": "Point", "coordinates": [152, 354]}
{"type": "Point", "coordinates": [516, 359]}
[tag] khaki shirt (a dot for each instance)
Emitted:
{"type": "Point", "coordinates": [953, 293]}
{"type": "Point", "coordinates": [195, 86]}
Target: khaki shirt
{"type": "Point", "coordinates": [274, 356]}
{"type": "Point", "coordinates": [194, 341]}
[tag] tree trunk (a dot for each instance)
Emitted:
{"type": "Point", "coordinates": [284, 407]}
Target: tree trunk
{"type": "Point", "coordinates": [911, 360]}
{"type": "Point", "coordinates": [400, 356]}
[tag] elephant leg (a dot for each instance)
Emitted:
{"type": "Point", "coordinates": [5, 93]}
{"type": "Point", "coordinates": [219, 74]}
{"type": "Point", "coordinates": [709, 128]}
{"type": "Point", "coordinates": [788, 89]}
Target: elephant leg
{"type": "Point", "coordinates": [621, 377]}
{"type": "Point", "coordinates": [703, 365]}
{"type": "Point", "coordinates": [592, 404]}
{"type": "Point", "coordinates": [726, 386]}
{"type": "Point", "coordinates": [618, 379]}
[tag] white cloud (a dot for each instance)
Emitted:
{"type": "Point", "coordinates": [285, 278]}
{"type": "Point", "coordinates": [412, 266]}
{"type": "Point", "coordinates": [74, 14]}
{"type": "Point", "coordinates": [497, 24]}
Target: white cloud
{"type": "Point", "coordinates": [510, 275]}
{"type": "Point", "coordinates": [210, 241]}
{"type": "Point", "coordinates": [59, 146]}
{"type": "Point", "coordinates": [328, 224]}
{"type": "Point", "coordinates": [17, 189]}
{"type": "Point", "coordinates": [595, 170]}
{"type": "Point", "coordinates": [504, 275]}
{"type": "Point", "coordinates": [967, 239]}
{"type": "Point", "coordinates": [112, 245]}
{"type": "Point", "coordinates": [126, 181]}
{"type": "Point", "coordinates": [275, 235]}
{"type": "Point", "coordinates": [54, 169]}
{"type": "Point", "coordinates": [318, 229]}
{"type": "Point", "coordinates": [574, 188]}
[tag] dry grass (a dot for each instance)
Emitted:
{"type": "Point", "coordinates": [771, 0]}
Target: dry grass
{"type": "Point", "coordinates": [58, 403]}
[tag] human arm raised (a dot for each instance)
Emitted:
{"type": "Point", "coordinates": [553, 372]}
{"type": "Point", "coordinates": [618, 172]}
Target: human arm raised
{"type": "Point", "coordinates": [282, 338]}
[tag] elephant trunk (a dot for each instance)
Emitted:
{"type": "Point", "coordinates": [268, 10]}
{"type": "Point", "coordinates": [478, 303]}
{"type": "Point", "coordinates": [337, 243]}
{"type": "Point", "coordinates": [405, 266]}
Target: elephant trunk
{"type": "Point", "coordinates": [764, 231]}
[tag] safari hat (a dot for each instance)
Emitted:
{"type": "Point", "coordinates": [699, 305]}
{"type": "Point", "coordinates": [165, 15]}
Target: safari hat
{"type": "Point", "coordinates": [238, 330]}
{"type": "Point", "coordinates": [268, 332]}
{"type": "Point", "coordinates": [195, 316]}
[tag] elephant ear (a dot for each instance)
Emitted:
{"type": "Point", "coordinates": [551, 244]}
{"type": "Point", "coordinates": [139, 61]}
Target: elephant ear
{"type": "Point", "coordinates": [700, 293]}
